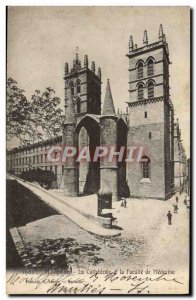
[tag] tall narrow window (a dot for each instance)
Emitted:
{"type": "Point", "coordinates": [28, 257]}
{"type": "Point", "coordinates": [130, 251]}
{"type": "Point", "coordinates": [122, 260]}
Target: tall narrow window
{"type": "Point", "coordinates": [145, 114]}
{"type": "Point", "coordinates": [78, 106]}
{"type": "Point", "coordinates": [140, 70]}
{"type": "Point", "coordinates": [150, 90]}
{"type": "Point", "coordinates": [72, 88]}
{"type": "Point", "coordinates": [140, 92]}
{"type": "Point", "coordinates": [150, 67]}
{"type": "Point", "coordinates": [145, 163]}
{"type": "Point", "coordinates": [78, 86]}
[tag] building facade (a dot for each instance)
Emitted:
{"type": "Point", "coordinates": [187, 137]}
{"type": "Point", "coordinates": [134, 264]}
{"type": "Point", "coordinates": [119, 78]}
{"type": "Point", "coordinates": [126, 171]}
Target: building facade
{"type": "Point", "coordinates": [180, 161]}
{"type": "Point", "coordinates": [151, 119]}
{"type": "Point", "coordinates": [147, 128]}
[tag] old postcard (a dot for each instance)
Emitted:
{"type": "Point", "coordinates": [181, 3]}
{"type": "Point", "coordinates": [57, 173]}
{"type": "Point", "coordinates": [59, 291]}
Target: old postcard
{"type": "Point", "coordinates": [98, 150]}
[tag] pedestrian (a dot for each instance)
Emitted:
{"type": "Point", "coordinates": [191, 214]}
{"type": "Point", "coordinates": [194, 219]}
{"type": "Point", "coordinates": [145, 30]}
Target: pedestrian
{"type": "Point", "coordinates": [122, 204]}
{"type": "Point", "coordinates": [185, 201]}
{"type": "Point", "coordinates": [175, 208]}
{"type": "Point", "coordinates": [176, 199]}
{"type": "Point", "coordinates": [169, 216]}
{"type": "Point", "coordinates": [125, 202]}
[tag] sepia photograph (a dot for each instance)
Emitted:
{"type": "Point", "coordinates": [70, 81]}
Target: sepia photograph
{"type": "Point", "coordinates": [98, 164]}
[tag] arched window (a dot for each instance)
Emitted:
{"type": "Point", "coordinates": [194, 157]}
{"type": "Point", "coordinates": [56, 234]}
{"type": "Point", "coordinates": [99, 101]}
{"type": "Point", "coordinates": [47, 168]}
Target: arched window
{"type": "Point", "coordinates": [145, 163]}
{"type": "Point", "coordinates": [150, 67]}
{"type": "Point", "coordinates": [78, 106]}
{"type": "Point", "coordinates": [72, 88]}
{"type": "Point", "coordinates": [78, 86]}
{"type": "Point", "coordinates": [140, 70]}
{"type": "Point", "coordinates": [140, 92]}
{"type": "Point", "coordinates": [150, 90]}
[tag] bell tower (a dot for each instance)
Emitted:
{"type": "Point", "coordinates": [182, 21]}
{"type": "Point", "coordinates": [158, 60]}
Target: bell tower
{"type": "Point", "coordinates": [85, 85]}
{"type": "Point", "coordinates": [150, 118]}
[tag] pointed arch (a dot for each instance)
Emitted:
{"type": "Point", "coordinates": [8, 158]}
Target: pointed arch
{"type": "Point", "coordinates": [150, 89]}
{"type": "Point", "coordinates": [72, 87]}
{"type": "Point", "coordinates": [78, 105]}
{"type": "Point", "coordinates": [78, 86]}
{"type": "Point", "coordinates": [150, 66]}
{"type": "Point", "coordinates": [140, 70]}
{"type": "Point", "coordinates": [140, 92]}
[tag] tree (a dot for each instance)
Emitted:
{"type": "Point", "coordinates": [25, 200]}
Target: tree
{"type": "Point", "coordinates": [35, 120]}
{"type": "Point", "coordinates": [43, 177]}
{"type": "Point", "coordinates": [17, 112]}
{"type": "Point", "coordinates": [46, 114]}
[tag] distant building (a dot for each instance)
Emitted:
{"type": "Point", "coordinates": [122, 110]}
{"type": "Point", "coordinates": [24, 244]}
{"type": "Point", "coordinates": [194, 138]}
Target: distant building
{"type": "Point", "coordinates": [180, 160]}
{"type": "Point", "coordinates": [35, 156]}
{"type": "Point", "coordinates": [148, 125]}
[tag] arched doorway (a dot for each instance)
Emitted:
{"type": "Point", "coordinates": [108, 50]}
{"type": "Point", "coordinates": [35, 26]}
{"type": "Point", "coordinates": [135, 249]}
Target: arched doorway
{"type": "Point", "coordinates": [88, 136]}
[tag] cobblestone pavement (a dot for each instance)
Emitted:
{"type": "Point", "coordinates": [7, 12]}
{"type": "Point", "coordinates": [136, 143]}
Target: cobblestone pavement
{"type": "Point", "coordinates": [146, 240]}
{"type": "Point", "coordinates": [50, 237]}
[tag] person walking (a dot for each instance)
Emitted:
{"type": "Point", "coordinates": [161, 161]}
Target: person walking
{"type": "Point", "coordinates": [169, 216]}
{"type": "Point", "coordinates": [122, 203]}
{"type": "Point", "coordinates": [176, 199]}
{"type": "Point", "coordinates": [175, 208]}
{"type": "Point", "coordinates": [125, 202]}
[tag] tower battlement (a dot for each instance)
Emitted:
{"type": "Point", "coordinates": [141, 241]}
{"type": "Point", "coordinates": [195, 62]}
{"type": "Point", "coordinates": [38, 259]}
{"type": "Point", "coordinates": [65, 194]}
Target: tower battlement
{"type": "Point", "coordinates": [134, 50]}
{"type": "Point", "coordinates": [85, 86]}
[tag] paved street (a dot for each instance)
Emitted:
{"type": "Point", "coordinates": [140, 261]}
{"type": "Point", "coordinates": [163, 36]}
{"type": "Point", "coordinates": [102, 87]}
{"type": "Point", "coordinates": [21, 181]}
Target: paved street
{"type": "Point", "coordinates": [46, 234]}
{"type": "Point", "coordinates": [146, 239]}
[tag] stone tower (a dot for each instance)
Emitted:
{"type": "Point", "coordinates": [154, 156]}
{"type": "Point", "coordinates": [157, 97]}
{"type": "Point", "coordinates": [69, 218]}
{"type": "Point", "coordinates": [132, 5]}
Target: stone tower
{"type": "Point", "coordinates": [150, 119]}
{"type": "Point", "coordinates": [85, 87]}
{"type": "Point", "coordinates": [108, 138]}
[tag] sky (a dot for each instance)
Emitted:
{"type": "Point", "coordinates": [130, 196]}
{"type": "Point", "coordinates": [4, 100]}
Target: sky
{"type": "Point", "coordinates": [41, 39]}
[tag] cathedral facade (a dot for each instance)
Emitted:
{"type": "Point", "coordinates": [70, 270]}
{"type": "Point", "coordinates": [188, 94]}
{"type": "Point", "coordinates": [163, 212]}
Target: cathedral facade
{"type": "Point", "coordinates": [146, 130]}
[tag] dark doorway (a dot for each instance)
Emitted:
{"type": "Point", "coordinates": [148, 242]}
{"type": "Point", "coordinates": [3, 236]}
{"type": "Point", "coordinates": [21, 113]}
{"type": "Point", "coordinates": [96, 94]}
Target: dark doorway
{"type": "Point", "coordinates": [88, 135]}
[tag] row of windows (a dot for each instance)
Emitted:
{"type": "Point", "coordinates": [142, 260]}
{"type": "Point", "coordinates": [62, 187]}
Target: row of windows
{"type": "Point", "coordinates": [150, 89]}
{"type": "Point", "coordinates": [150, 69]}
{"type": "Point", "coordinates": [32, 159]}
{"type": "Point", "coordinates": [78, 87]}
{"type": "Point", "coordinates": [32, 150]}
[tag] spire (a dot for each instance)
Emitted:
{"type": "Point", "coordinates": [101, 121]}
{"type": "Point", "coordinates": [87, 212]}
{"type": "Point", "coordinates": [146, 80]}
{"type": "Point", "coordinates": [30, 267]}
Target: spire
{"type": "Point", "coordinates": [145, 38]}
{"type": "Point", "coordinates": [77, 55]}
{"type": "Point", "coordinates": [76, 61]}
{"type": "Point", "coordinates": [99, 73]}
{"type": "Point", "coordinates": [131, 46]}
{"type": "Point", "coordinates": [86, 61]}
{"type": "Point", "coordinates": [108, 106]}
{"type": "Point", "coordinates": [161, 34]}
{"type": "Point", "coordinates": [93, 66]}
{"type": "Point", "coordinates": [70, 116]}
{"type": "Point", "coordinates": [66, 68]}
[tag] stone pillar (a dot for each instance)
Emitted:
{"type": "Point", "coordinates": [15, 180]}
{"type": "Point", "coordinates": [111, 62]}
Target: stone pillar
{"type": "Point", "coordinates": [109, 170]}
{"type": "Point", "coordinates": [71, 175]}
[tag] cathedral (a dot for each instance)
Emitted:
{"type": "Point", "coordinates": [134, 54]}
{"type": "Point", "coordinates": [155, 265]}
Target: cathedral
{"type": "Point", "coordinates": [146, 130]}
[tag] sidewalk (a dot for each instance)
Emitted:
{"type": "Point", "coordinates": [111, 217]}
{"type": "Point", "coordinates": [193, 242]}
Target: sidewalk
{"type": "Point", "coordinates": [59, 203]}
